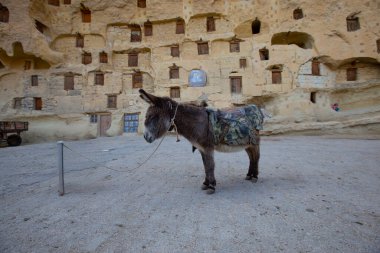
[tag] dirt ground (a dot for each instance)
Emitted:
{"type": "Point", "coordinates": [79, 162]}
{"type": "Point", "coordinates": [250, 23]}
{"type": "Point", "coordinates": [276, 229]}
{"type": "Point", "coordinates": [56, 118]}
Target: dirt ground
{"type": "Point", "coordinates": [314, 194]}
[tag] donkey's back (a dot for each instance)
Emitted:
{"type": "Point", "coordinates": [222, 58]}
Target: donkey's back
{"type": "Point", "coordinates": [236, 127]}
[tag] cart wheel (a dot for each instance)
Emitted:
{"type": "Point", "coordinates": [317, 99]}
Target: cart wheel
{"type": "Point", "coordinates": [14, 140]}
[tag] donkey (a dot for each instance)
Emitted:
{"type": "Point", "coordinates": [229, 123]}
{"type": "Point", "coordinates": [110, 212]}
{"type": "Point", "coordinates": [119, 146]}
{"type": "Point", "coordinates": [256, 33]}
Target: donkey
{"type": "Point", "coordinates": [207, 130]}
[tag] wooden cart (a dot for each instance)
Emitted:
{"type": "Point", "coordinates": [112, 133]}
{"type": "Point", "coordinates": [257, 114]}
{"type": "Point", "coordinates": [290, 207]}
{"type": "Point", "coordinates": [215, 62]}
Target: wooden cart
{"type": "Point", "coordinates": [10, 131]}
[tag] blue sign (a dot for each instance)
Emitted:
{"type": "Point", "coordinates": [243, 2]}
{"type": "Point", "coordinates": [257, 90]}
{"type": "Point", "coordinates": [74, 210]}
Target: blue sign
{"type": "Point", "coordinates": [197, 78]}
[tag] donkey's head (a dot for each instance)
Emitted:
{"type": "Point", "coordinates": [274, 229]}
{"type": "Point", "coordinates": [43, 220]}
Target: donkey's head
{"type": "Point", "coordinates": [158, 116]}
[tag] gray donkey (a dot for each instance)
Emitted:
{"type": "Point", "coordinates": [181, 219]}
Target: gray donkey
{"type": "Point", "coordinates": [207, 130]}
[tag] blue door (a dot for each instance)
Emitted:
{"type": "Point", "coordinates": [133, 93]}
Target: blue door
{"type": "Point", "coordinates": [131, 122]}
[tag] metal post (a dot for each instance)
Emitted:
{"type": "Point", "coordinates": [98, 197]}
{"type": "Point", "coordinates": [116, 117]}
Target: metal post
{"type": "Point", "coordinates": [61, 185]}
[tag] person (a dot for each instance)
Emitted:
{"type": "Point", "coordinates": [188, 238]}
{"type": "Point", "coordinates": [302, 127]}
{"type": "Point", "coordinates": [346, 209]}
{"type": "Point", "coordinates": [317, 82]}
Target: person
{"type": "Point", "coordinates": [335, 107]}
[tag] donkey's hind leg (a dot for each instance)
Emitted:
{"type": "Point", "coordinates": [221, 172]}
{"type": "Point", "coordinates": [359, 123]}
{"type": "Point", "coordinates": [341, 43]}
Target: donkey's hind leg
{"type": "Point", "coordinates": [254, 156]}
{"type": "Point", "coordinates": [209, 165]}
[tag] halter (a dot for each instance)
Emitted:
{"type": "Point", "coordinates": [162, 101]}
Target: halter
{"type": "Point", "coordinates": [172, 119]}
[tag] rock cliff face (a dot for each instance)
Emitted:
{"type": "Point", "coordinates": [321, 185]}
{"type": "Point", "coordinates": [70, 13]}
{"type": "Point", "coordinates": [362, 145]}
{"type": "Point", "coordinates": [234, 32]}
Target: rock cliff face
{"type": "Point", "coordinates": [73, 68]}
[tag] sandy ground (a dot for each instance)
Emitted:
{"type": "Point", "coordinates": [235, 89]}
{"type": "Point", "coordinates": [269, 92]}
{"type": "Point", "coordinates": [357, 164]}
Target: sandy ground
{"type": "Point", "coordinates": [314, 194]}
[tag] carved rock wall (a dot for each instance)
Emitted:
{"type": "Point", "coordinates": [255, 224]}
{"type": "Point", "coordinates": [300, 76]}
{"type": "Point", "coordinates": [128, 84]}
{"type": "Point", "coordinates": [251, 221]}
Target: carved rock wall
{"type": "Point", "coordinates": [293, 65]}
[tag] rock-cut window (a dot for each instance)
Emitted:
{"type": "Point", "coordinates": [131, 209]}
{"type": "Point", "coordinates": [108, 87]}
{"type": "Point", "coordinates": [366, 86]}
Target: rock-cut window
{"type": "Point", "coordinates": [4, 14]}
{"type": "Point", "coordinates": [79, 40]}
{"type": "Point", "coordinates": [135, 33]}
{"type": "Point", "coordinates": [256, 26]}
{"type": "Point", "coordinates": [68, 82]}
{"type": "Point", "coordinates": [141, 3]}
{"type": "Point", "coordinates": [353, 23]}
{"type": "Point", "coordinates": [210, 24]}
{"type": "Point", "coordinates": [264, 54]}
{"type": "Point", "coordinates": [174, 72]}
{"type": "Point", "coordinates": [297, 13]}
{"type": "Point", "coordinates": [202, 48]}
{"type": "Point", "coordinates": [276, 76]}
{"type": "Point", "coordinates": [175, 92]}
{"type": "Point", "coordinates": [86, 14]}
{"type": "Point", "coordinates": [180, 26]}
{"type": "Point", "coordinates": [103, 57]}
{"type": "Point", "coordinates": [53, 2]}
{"type": "Point", "coordinates": [137, 80]}
{"type": "Point", "coordinates": [148, 28]}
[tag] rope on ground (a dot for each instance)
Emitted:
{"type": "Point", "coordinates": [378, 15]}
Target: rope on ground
{"type": "Point", "coordinates": [107, 167]}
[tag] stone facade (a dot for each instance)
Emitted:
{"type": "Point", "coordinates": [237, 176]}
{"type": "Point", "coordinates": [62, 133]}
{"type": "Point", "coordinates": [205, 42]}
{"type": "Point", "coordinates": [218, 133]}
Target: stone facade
{"type": "Point", "coordinates": [83, 62]}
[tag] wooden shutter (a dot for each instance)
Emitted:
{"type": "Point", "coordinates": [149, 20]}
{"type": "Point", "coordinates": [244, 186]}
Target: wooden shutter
{"type": "Point", "coordinates": [79, 40]}
{"type": "Point", "coordinates": [203, 48]}
{"type": "Point", "coordinates": [66, 1]}
{"type": "Point", "coordinates": [236, 84]}
{"type": "Point", "coordinates": [315, 68]}
{"type": "Point", "coordinates": [243, 63]}
{"type": "Point", "coordinates": [234, 46]}
{"type": "Point", "coordinates": [103, 57]}
{"type": "Point", "coordinates": [86, 58]}
{"type": "Point", "coordinates": [180, 27]}
{"type": "Point", "coordinates": [37, 104]}
{"type": "Point", "coordinates": [86, 16]}
{"type": "Point", "coordinates": [34, 80]}
{"type": "Point", "coordinates": [28, 65]}
{"type": "Point", "coordinates": [353, 24]}
{"type": "Point", "coordinates": [141, 3]}
{"type": "Point", "coordinates": [111, 101]}
{"type": "Point", "coordinates": [297, 13]}
{"type": "Point", "coordinates": [99, 79]}
{"type": "Point", "coordinates": [174, 73]}
{"type": "Point", "coordinates": [69, 82]}
{"type": "Point", "coordinates": [132, 60]}
{"type": "Point", "coordinates": [276, 77]}
{"type": "Point", "coordinates": [148, 29]}
{"type": "Point", "coordinates": [137, 80]}
{"type": "Point", "coordinates": [352, 74]}
{"type": "Point", "coordinates": [175, 92]}
{"type": "Point", "coordinates": [174, 51]}
{"type": "Point", "coordinates": [4, 14]}
{"type": "Point", "coordinates": [135, 34]}
{"type": "Point", "coordinates": [53, 2]}
{"type": "Point", "coordinates": [210, 24]}
{"type": "Point", "coordinates": [264, 54]}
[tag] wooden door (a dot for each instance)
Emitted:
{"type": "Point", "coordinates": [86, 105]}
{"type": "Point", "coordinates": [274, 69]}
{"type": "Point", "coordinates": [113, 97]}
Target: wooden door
{"type": "Point", "coordinates": [236, 84]}
{"type": "Point", "coordinates": [105, 124]}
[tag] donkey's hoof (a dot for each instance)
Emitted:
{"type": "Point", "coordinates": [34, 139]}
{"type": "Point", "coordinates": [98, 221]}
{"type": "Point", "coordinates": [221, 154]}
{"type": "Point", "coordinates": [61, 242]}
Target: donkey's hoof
{"type": "Point", "coordinates": [204, 187]}
{"type": "Point", "coordinates": [251, 178]}
{"type": "Point", "coordinates": [210, 190]}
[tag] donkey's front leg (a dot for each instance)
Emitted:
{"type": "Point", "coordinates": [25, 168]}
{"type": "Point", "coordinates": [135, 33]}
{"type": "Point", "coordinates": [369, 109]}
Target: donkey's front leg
{"type": "Point", "coordinates": [209, 164]}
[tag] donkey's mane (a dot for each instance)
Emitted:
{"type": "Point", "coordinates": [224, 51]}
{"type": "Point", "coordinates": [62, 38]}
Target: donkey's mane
{"type": "Point", "coordinates": [197, 103]}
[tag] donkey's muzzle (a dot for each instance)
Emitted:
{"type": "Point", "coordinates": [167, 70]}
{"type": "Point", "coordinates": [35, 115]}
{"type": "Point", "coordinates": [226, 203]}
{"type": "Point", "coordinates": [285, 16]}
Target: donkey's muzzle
{"type": "Point", "coordinates": [148, 138]}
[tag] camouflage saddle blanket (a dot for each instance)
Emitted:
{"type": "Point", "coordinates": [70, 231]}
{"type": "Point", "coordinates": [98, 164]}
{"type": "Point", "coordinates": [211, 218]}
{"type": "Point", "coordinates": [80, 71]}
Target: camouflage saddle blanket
{"type": "Point", "coordinates": [236, 126]}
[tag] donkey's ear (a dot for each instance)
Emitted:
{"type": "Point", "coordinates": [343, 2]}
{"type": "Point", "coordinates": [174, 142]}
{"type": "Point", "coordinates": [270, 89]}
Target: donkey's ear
{"type": "Point", "coordinates": [149, 98]}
